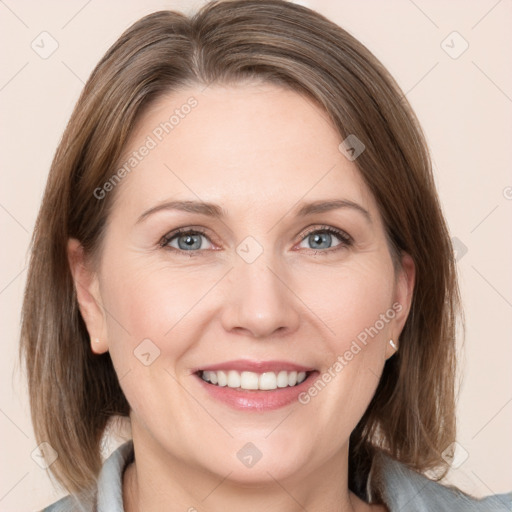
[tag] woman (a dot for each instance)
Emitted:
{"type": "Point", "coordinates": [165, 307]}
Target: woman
{"type": "Point", "coordinates": [241, 249]}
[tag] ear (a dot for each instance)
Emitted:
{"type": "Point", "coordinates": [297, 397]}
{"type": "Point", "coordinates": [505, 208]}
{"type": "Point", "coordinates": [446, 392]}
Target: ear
{"type": "Point", "coordinates": [88, 296]}
{"type": "Point", "coordinates": [404, 288]}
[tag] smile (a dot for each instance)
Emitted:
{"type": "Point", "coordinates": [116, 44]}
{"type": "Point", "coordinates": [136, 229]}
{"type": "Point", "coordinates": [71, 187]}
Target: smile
{"type": "Point", "coordinates": [254, 381]}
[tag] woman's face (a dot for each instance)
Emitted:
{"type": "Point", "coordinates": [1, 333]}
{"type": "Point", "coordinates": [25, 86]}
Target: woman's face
{"type": "Point", "coordinates": [271, 278]}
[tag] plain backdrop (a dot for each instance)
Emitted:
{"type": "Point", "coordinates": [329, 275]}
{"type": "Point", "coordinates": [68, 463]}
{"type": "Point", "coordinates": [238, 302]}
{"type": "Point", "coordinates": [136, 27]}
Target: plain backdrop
{"type": "Point", "coordinates": [453, 61]}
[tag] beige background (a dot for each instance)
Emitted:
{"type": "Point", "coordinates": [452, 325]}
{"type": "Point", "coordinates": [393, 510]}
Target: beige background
{"type": "Point", "coordinates": [463, 103]}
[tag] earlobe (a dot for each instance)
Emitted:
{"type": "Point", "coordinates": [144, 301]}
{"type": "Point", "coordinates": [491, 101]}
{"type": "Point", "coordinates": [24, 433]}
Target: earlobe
{"type": "Point", "coordinates": [88, 296]}
{"type": "Point", "coordinates": [391, 348]}
{"type": "Point", "coordinates": [98, 346]}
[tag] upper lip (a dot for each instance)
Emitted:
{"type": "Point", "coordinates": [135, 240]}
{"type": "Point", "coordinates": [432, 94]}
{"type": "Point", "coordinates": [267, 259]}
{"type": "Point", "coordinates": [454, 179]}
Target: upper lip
{"type": "Point", "coordinates": [256, 366]}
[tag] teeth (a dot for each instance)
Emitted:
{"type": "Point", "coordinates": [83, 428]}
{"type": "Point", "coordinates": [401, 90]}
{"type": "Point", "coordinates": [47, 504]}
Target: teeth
{"type": "Point", "coordinates": [282, 379]}
{"type": "Point", "coordinates": [221, 377]}
{"type": "Point", "coordinates": [252, 380]}
{"type": "Point", "coordinates": [233, 379]}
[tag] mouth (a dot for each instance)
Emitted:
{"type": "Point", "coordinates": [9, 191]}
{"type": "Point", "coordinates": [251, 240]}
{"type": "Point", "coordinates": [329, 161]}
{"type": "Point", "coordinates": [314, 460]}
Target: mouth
{"type": "Point", "coordinates": [253, 381]}
{"type": "Point", "coordinates": [255, 386]}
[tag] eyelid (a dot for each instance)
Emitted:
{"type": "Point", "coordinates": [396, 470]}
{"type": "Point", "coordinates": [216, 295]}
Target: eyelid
{"type": "Point", "coordinates": [343, 235]}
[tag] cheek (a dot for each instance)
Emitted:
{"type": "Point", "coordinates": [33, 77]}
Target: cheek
{"type": "Point", "coordinates": [156, 301]}
{"type": "Point", "coordinates": [353, 304]}
{"type": "Point", "coordinates": [350, 299]}
{"type": "Point", "coordinates": [151, 323]}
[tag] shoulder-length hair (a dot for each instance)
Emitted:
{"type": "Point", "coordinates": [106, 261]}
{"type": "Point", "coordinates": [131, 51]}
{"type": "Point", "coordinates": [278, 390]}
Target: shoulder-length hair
{"type": "Point", "coordinates": [73, 392]}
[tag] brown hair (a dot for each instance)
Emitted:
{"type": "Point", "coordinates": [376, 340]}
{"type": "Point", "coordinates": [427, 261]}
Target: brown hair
{"type": "Point", "coordinates": [74, 392]}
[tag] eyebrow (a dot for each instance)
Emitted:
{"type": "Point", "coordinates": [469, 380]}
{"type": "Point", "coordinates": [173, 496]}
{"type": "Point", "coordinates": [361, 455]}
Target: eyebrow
{"type": "Point", "coordinates": [208, 209]}
{"type": "Point", "coordinates": [336, 204]}
{"type": "Point", "coordinates": [215, 211]}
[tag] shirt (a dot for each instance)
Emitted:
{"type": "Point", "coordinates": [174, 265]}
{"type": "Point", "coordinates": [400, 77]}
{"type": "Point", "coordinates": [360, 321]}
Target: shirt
{"type": "Point", "coordinates": [403, 490]}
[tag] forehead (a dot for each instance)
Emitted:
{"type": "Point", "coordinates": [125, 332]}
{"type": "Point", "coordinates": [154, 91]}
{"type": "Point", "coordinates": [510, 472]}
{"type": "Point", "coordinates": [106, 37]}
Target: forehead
{"type": "Point", "coordinates": [237, 145]}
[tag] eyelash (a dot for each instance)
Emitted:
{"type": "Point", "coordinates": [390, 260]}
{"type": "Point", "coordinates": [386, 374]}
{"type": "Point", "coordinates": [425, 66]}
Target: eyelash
{"type": "Point", "coordinates": [346, 240]}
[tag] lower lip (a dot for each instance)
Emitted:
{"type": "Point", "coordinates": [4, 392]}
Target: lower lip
{"type": "Point", "coordinates": [257, 400]}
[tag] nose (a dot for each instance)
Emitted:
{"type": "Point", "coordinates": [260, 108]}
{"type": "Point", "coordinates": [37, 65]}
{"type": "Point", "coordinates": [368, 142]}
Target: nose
{"type": "Point", "coordinates": [259, 301]}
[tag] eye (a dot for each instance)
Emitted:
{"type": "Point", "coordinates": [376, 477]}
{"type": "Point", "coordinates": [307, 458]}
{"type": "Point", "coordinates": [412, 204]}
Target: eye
{"type": "Point", "coordinates": [190, 240]}
{"type": "Point", "coordinates": [321, 239]}
{"type": "Point", "coordinates": [324, 239]}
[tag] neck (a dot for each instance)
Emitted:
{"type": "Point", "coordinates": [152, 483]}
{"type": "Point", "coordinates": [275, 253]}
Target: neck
{"type": "Point", "coordinates": [156, 481]}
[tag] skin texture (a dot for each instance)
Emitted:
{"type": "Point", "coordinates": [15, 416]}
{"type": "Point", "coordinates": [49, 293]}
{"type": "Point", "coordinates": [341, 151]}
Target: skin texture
{"type": "Point", "coordinates": [259, 152]}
